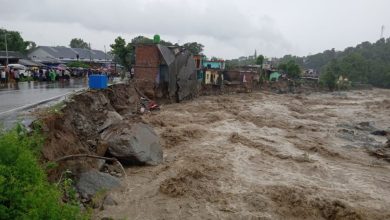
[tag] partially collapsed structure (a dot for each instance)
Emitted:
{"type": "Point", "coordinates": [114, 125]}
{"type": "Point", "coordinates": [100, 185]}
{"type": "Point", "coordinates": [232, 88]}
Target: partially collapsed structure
{"type": "Point", "coordinates": [165, 72]}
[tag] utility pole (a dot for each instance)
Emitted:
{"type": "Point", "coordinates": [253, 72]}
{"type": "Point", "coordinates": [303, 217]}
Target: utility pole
{"type": "Point", "coordinates": [105, 53]}
{"type": "Point", "coordinates": [90, 53]}
{"type": "Point", "coordinates": [255, 55]}
{"type": "Point", "coordinates": [6, 48]}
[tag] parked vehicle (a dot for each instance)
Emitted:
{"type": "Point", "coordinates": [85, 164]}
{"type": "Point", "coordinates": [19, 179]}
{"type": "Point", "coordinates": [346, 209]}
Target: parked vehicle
{"type": "Point", "coordinates": [23, 70]}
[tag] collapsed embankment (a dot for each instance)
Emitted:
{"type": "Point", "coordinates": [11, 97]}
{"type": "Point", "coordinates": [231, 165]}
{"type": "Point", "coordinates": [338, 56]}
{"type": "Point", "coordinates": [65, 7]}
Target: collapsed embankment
{"type": "Point", "coordinates": [98, 123]}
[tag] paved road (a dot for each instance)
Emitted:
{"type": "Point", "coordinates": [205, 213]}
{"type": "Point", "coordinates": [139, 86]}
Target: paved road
{"type": "Point", "coordinates": [17, 100]}
{"type": "Point", "coordinates": [23, 94]}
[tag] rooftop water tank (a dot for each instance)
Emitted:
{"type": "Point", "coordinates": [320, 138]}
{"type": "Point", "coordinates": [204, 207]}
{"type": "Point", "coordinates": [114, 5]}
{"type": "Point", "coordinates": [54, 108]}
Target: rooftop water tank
{"type": "Point", "coordinates": [156, 39]}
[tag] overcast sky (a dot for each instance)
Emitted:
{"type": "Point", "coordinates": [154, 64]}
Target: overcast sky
{"type": "Point", "coordinates": [227, 28]}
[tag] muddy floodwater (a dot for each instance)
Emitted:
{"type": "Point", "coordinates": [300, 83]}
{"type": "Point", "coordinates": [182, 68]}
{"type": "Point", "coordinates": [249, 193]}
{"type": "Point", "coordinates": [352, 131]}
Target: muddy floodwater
{"type": "Point", "coordinates": [264, 156]}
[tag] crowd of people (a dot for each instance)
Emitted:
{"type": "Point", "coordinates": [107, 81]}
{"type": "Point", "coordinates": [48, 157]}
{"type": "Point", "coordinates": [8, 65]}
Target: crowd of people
{"type": "Point", "coordinates": [45, 74]}
{"type": "Point", "coordinates": [9, 75]}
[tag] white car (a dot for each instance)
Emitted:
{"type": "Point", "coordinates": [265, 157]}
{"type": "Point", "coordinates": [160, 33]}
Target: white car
{"type": "Point", "coordinates": [22, 69]}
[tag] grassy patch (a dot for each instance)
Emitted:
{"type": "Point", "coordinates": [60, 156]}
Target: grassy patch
{"type": "Point", "coordinates": [25, 192]}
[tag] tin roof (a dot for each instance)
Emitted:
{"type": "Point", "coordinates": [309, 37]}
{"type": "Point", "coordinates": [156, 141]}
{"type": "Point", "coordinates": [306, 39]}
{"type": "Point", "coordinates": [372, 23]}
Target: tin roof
{"type": "Point", "coordinates": [61, 52]}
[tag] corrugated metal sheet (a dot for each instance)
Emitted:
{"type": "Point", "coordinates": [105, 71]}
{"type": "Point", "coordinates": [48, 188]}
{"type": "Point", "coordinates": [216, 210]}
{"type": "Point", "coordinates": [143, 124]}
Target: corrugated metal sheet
{"type": "Point", "coordinates": [186, 79]}
{"type": "Point", "coordinates": [11, 54]}
{"type": "Point", "coordinates": [167, 54]}
{"type": "Point", "coordinates": [61, 52]}
{"type": "Point", "coordinates": [29, 63]}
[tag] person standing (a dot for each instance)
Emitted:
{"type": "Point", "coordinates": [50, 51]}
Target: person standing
{"type": "Point", "coordinates": [11, 76]}
{"type": "Point", "coordinates": [132, 73]}
{"type": "Point", "coordinates": [3, 77]}
{"type": "Point", "coordinates": [66, 74]}
{"type": "Point", "coordinates": [16, 75]}
{"type": "Point", "coordinates": [40, 74]}
{"type": "Point", "coordinates": [46, 74]}
{"type": "Point", "coordinates": [52, 75]}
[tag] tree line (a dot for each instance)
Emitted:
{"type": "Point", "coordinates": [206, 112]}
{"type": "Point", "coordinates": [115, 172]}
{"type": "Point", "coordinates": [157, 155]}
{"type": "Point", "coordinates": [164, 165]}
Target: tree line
{"type": "Point", "coordinates": [365, 63]}
{"type": "Point", "coordinates": [15, 42]}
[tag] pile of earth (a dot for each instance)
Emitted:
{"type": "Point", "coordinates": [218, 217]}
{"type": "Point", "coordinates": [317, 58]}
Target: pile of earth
{"type": "Point", "coordinates": [100, 123]}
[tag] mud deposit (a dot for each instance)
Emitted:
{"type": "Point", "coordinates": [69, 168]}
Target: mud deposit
{"type": "Point", "coordinates": [264, 156]}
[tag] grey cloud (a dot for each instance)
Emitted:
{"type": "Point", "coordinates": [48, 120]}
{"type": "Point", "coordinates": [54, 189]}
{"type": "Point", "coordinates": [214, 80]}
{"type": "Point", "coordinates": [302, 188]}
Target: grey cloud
{"type": "Point", "coordinates": [274, 27]}
{"type": "Point", "coordinates": [221, 20]}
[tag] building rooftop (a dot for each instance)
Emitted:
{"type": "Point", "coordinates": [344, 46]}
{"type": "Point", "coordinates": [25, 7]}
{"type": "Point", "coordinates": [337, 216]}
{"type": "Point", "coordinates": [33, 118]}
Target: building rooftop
{"type": "Point", "coordinates": [66, 53]}
{"type": "Point", "coordinates": [11, 54]}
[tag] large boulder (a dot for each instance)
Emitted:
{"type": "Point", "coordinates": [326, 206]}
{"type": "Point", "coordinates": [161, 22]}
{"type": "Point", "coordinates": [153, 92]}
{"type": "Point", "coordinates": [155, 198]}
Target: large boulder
{"type": "Point", "coordinates": [133, 144]}
{"type": "Point", "coordinates": [93, 181]}
{"type": "Point", "coordinates": [112, 117]}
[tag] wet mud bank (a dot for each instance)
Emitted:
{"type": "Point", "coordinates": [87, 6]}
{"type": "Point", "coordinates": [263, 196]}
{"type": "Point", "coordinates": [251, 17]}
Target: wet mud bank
{"type": "Point", "coordinates": [99, 123]}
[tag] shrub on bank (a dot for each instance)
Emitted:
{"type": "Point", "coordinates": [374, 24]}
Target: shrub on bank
{"type": "Point", "coordinates": [25, 192]}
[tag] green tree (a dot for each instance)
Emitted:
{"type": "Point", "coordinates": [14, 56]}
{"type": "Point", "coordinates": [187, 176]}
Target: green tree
{"type": "Point", "coordinates": [332, 72]}
{"type": "Point", "coordinates": [355, 67]}
{"type": "Point", "coordinates": [123, 51]}
{"type": "Point", "coordinates": [78, 64]}
{"type": "Point", "coordinates": [194, 47]}
{"type": "Point", "coordinates": [367, 62]}
{"type": "Point", "coordinates": [146, 40]}
{"type": "Point", "coordinates": [15, 41]}
{"type": "Point", "coordinates": [79, 43]}
{"type": "Point", "coordinates": [215, 58]}
{"type": "Point", "coordinates": [141, 40]}
{"type": "Point", "coordinates": [296, 59]}
{"type": "Point", "coordinates": [260, 60]}
{"type": "Point", "coordinates": [291, 69]}
{"type": "Point", "coordinates": [31, 45]}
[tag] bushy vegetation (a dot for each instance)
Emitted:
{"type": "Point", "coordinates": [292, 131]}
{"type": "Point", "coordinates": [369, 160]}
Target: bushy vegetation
{"type": "Point", "coordinates": [25, 192]}
{"type": "Point", "coordinates": [15, 41]}
{"type": "Point", "coordinates": [330, 74]}
{"type": "Point", "coordinates": [78, 64]}
{"type": "Point", "coordinates": [365, 63]}
{"type": "Point", "coordinates": [290, 68]}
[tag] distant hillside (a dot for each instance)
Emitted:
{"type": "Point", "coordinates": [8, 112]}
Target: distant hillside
{"type": "Point", "coordinates": [366, 63]}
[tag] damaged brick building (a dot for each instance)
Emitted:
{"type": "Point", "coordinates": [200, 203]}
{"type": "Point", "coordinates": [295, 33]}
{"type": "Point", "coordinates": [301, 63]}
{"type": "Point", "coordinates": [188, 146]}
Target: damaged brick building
{"type": "Point", "coordinates": [163, 72]}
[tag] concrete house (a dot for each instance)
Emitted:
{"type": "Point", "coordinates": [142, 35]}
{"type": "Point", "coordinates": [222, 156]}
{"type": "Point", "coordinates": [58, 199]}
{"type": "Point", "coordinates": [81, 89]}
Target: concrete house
{"type": "Point", "coordinates": [213, 71]}
{"type": "Point", "coordinates": [13, 57]}
{"type": "Point", "coordinates": [198, 65]}
{"type": "Point", "coordinates": [217, 64]}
